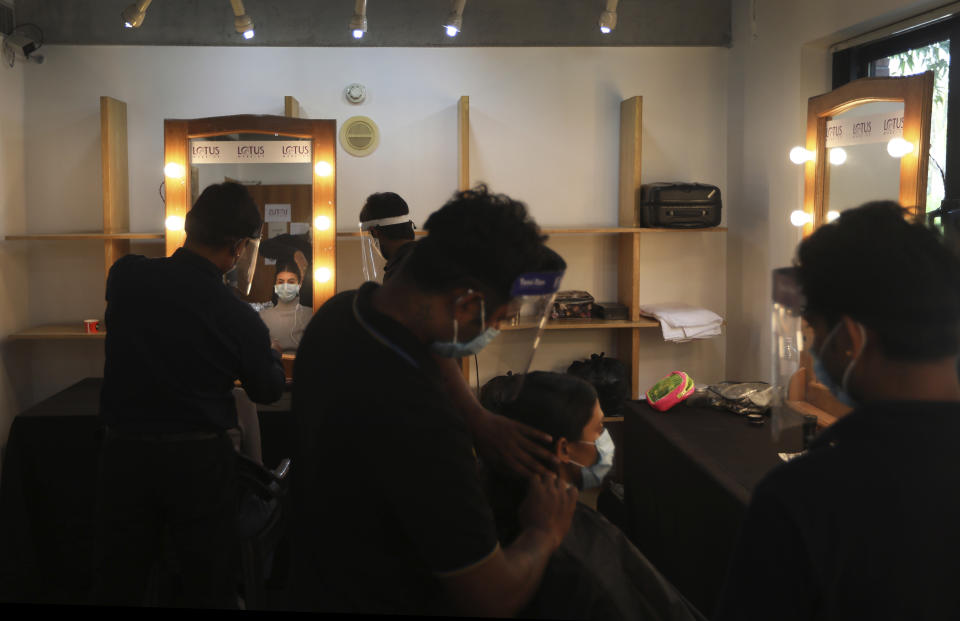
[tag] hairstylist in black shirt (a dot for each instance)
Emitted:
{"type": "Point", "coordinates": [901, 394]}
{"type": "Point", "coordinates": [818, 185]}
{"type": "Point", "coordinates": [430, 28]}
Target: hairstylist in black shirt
{"type": "Point", "coordinates": [177, 338]}
{"type": "Point", "coordinates": [389, 515]}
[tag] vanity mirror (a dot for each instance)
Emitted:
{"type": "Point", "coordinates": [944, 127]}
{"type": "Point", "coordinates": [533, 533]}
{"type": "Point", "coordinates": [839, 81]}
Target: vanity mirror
{"type": "Point", "coordinates": [289, 166]}
{"type": "Point", "coordinates": [867, 140]}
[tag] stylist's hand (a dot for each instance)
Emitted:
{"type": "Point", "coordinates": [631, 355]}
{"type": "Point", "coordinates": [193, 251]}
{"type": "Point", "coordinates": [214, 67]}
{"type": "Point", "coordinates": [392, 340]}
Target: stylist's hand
{"type": "Point", "coordinates": [275, 345]}
{"type": "Point", "coordinates": [549, 507]}
{"type": "Point", "coordinates": [513, 447]}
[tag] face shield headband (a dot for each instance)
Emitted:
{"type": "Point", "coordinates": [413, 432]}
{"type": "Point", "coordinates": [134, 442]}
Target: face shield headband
{"type": "Point", "coordinates": [373, 260]}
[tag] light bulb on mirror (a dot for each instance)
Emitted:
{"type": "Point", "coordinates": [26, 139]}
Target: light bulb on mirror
{"type": "Point", "coordinates": [452, 31]}
{"type": "Point", "coordinates": [322, 274]}
{"type": "Point", "coordinates": [174, 223]}
{"type": "Point", "coordinates": [174, 170]}
{"type": "Point", "coordinates": [799, 155]}
{"type": "Point", "coordinates": [838, 156]}
{"type": "Point", "coordinates": [322, 223]}
{"type": "Point", "coordinates": [898, 147]}
{"type": "Point", "coordinates": [800, 218]}
{"type": "Point", "coordinates": [323, 169]}
{"type": "Point", "coordinates": [832, 215]}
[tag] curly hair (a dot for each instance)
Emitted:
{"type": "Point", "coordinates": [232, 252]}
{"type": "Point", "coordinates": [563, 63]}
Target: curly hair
{"type": "Point", "coordinates": [479, 240]}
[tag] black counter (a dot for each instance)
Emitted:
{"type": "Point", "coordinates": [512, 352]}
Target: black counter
{"type": "Point", "coordinates": [688, 476]}
{"type": "Point", "coordinates": [48, 492]}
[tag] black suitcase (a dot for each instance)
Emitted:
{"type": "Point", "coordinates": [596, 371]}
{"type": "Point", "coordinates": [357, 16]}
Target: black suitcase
{"type": "Point", "coordinates": [679, 205]}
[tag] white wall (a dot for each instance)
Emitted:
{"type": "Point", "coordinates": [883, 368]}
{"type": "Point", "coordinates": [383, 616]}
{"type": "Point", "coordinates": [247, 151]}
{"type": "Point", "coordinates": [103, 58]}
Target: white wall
{"type": "Point", "coordinates": [544, 128]}
{"type": "Point", "coordinates": [13, 255]}
{"type": "Point", "coordinates": [777, 62]}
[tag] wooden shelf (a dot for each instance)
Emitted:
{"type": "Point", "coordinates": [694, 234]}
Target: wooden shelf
{"type": "Point", "coordinates": [56, 333]}
{"type": "Point", "coordinates": [79, 236]}
{"type": "Point", "coordinates": [595, 324]}
{"type": "Point", "coordinates": [611, 230]}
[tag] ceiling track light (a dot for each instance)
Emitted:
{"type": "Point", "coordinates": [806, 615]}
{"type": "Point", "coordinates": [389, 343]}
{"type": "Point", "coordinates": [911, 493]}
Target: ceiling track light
{"type": "Point", "coordinates": [241, 21]}
{"type": "Point", "coordinates": [454, 23]}
{"type": "Point", "coordinates": [608, 19]}
{"type": "Point", "coordinates": [134, 14]}
{"type": "Point", "coordinates": [358, 24]}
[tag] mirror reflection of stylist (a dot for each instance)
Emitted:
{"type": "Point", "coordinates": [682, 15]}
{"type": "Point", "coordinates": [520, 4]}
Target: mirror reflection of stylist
{"type": "Point", "coordinates": [177, 339]}
{"type": "Point", "coordinates": [287, 319]}
{"type": "Point", "coordinates": [387, 234]}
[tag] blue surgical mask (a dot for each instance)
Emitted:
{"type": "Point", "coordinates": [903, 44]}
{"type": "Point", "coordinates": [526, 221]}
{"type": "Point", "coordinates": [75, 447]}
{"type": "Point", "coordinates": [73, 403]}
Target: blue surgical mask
{"type": "Point", "coordinates": [453, 349]}
{"type": "Point", "coordinates": [286, 291]}
{"type": "Point", "coordinates": [593, 475]}
{"type": "Point", "coordinates": [820, 371]}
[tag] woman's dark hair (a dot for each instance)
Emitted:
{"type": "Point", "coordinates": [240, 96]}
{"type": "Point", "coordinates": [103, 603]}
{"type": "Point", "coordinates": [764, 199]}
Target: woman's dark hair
{"type": "Point", "coordinates": [479, 240]}
{"type": "Point", "coordinates": [388, 205]}
{"type": "Point", "coordinates": [288, 266]}
{"type": "Point", "coordinates": [558, 404]}
{"type": "Point", "coordinates": [894, 276]}
{"type": "Point", "coordinates": [224, 214]}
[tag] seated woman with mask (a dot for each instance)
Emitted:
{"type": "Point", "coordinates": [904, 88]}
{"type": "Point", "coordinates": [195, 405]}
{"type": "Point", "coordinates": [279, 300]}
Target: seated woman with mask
{"type": "Point", "coordinates": [597, 573]}
{"type": "Point", "coordinates": [288, 318]}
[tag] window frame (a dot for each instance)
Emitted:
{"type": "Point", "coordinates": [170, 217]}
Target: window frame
{"type": "Point", "coordinates": [853, 63]}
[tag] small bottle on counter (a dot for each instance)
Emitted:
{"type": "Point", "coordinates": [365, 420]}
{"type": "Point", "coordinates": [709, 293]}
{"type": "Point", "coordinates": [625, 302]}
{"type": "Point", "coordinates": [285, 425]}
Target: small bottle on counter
{"type": "Point", "coordinates": [809, 430]}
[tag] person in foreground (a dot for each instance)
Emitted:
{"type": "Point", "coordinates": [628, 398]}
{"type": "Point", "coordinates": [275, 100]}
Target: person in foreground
{"type": "Point", "coordinates": [177, 339]}
{"type": "Point", "coordinates": [864, 526]}
{"type": "Point", "coordinates": [388, 511]}
{"type": "Point", "coordinates": [597, 573]}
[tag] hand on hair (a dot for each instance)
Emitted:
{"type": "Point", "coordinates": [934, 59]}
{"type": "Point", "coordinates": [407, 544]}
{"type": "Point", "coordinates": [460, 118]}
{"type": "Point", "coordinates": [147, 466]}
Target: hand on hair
{"type": "Point", "coordinates": [513, 447]}
{"type": "Point", "coordinates": [549, 507]}
{"type": "Point", "coordinates": [301, 262]}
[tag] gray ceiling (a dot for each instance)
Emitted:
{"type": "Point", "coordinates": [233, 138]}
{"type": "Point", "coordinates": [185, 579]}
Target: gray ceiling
{"type": "Point", "coordinates": [391, 23]}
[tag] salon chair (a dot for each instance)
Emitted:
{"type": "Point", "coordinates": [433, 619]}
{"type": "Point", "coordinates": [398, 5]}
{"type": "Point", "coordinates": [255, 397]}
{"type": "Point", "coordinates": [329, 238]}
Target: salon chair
{"type": "Point", "coordinates": [261, 521]}
{"type": "Point", "coordinates": [260, 524]}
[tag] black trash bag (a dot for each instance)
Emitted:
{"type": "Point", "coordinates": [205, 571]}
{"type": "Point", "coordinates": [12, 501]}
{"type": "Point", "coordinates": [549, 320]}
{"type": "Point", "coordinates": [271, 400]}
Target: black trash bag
{"type": "Point", "coordinates": [609, 377]}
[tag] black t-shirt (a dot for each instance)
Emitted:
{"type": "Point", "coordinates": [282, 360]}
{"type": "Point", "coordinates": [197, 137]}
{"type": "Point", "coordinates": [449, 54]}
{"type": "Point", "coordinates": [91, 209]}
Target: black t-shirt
{"type": "Point", "coordinates": [398, 257]}
{"type": "Point", "coordinates": [865, 526]}
{"type": "Point", "coordinates": [386, 493]}
{"type": "Point", "coordinates": [177, 338]}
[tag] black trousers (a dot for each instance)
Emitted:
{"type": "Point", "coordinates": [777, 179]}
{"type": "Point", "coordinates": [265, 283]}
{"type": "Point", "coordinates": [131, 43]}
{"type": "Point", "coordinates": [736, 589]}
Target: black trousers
{"type": "Point", "coordinates": [155, 489]}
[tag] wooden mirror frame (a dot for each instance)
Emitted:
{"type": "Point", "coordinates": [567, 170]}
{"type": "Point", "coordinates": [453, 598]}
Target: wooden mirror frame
{"type": "Point", "coordinates": [805, 395]}
{"type": "Point", "coordinates": [177, 134]}
{"type": "Point", "coordinates": [916, 93]}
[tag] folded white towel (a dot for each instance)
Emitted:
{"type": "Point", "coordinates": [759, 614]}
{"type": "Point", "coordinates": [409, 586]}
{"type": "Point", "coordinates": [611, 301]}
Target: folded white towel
{"type": "Point", "coordinates": [682, 322]}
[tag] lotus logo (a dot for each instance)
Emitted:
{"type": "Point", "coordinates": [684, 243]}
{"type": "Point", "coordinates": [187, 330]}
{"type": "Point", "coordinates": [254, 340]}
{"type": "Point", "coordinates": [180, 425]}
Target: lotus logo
{"type": "Point", "coordinates": [893, 125]}
{"type": "Point", "coordinates": [205, 151]}
{"type": "Point", "coordinates": [250, 151]}
{"type": "Point", "coordinates": [295, 150]}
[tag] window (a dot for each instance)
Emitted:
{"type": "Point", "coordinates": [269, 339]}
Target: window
{"type": "Point", "coordinates": [925, 48]}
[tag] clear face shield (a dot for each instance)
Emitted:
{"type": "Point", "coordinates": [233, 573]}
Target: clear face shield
{"type": "Point", "coordinates": [531, 300]}
{"type": "Point", "coordinates": [372, 254]}
{"type": "Point", "coordinates": [241, 276]}
{"type": "Point", "coordinates": [788, 341]}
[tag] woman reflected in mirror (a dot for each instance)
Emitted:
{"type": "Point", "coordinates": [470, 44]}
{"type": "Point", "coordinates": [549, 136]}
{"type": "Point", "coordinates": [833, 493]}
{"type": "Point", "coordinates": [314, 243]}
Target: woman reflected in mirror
{"type": "Point", "coordinates": [287, 318]}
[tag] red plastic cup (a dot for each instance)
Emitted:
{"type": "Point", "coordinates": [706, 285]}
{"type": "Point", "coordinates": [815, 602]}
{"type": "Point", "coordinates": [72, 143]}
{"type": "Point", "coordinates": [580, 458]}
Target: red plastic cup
{"type": "Point", "coordinates": [90, 325]}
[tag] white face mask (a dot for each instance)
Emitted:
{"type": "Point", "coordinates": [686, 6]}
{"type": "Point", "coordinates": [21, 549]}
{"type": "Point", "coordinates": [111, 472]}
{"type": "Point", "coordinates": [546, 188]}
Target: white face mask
{"type": "Point", "coordinates": [286, 291]}
{"type": "Point", "coordinates": [454, 349]}
{"type": "Point", "coordinates": [593, 475]}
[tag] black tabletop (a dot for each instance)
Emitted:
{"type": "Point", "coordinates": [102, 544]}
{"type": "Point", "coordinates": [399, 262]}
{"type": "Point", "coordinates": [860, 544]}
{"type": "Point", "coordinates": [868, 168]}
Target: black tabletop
{"type": "Point", "coordinates": [688, 475]}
